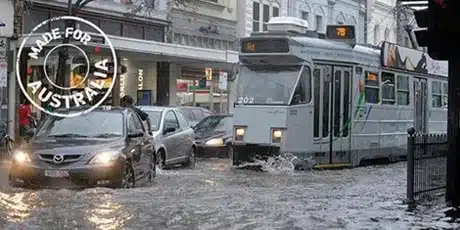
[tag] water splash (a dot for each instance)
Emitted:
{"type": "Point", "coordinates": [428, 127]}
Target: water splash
{"type": "Point", "coordinates": [282, 164]}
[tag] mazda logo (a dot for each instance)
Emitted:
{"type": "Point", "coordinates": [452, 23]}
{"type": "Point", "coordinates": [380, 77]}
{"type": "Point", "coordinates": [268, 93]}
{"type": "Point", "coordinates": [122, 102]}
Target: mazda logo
{"type": "Point", "coordinates": [58, 159]}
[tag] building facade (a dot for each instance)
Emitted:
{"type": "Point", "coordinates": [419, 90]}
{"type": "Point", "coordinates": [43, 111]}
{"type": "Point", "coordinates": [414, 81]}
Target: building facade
{"type": "Point", "coordinates": [150, 43]}
{"type": "Point", "coordinates": [382, 21]}
{"type": "Point", "coordinates": [209, 25]}
{"type": "Point", "coordinates": [321, 13]}
{"type": "Point", "coordinates": [253, 15]}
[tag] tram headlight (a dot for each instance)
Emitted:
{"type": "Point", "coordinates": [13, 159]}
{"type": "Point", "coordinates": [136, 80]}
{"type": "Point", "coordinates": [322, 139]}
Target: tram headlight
{"type": "Point", "coordinates": [277, 134]}
{"type": "Point", "coordinates": [239, 133]}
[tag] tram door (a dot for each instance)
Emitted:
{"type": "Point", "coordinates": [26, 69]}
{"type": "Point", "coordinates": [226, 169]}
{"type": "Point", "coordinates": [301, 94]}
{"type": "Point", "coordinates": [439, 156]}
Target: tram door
{"type": "Point", "coordinates": [332, 109]}
{"type": "Point", "coordinates": [420, 105]}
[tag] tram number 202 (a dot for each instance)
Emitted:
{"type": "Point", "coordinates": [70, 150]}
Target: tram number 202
{"type": "Point", "coordinates": [245, 100]}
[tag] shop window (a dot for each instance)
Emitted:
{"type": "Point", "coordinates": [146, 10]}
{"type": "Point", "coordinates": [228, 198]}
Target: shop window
{"type": "Point", "coordinates": [436, 94]}
{"type": "Point", "coordinates": [33, 17]}
{"type": "Point", "coordinates": [403, 90]}
{"type": "Point", "coordinates": [111, 27]}
{"type": "Point", "coordinates": [154, 34]}
{"type": "Point", "coordinates": [371, 87]}
{"type": "Point", "coordinates": [133, 31]}
{"type": "Point", "coordinates": [302, 94]}
{"type": "Point", "coordinates": [388, 88]}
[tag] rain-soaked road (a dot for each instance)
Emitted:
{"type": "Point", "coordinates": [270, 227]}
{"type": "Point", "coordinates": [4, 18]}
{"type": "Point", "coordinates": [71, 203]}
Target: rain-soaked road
{"type": "Point", "coordinates": [213, 196]}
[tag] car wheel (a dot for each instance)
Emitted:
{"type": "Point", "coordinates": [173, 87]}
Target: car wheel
{"type": "Point", "coordinates": [161, 160]}
{"type": "Point", "coordinates": [128, 179]}
{"type": "Point", "coordinates": [152, 168]}
{"type": "Point", "coordinates": [191, 160]}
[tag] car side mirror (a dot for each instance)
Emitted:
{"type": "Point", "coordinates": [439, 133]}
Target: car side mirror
{"type": "Point", "coordinates": [135, 134]}
{"type": "Point", "coordinates": [169, 130]}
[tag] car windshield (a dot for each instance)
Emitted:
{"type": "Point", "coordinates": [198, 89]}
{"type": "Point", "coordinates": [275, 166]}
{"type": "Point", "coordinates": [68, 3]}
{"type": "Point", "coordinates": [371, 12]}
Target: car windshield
{"type": "Point", "coordinates": [266, 84]}
{"type": "Point", "coordinates": [215, 124]}
{"type": "Point", "coordinates": [95, 124]}
{"type": "Point", "coordinates": [155, 118]}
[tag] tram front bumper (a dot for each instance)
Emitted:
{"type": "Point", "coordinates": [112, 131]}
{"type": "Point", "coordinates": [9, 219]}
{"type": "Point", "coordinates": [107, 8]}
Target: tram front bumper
{"type": "Point", "coordinates": [248, 153]}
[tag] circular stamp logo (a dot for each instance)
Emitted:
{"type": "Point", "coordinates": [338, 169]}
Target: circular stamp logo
{"type": "Point", "coordinates": [90, 88]}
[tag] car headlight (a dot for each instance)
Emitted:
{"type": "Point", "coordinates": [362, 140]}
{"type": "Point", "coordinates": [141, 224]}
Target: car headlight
{"type": "Point", "coordinates": [21, 157]}
{"type": "Point", "coordinates": [277, 134]}
{"type": "Point", "coordinates": [105, 158]}
{"type": "Point", "coordinates": [215, 142]}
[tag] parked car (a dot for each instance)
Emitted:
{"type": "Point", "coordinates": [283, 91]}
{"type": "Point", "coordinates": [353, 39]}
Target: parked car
{"type": "Point", "coordinates": [213, 136]}
{"type": "Point", "coordinates": [195, 114]}
{"type": "Point", "coordinates": [172, 135]}
{"type": "Point", "coordinates": [107, 147]}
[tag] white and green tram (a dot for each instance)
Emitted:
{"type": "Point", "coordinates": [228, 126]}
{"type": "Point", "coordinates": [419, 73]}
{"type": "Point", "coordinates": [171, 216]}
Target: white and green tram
{"type": "Point", "coordinates": [331, 100]}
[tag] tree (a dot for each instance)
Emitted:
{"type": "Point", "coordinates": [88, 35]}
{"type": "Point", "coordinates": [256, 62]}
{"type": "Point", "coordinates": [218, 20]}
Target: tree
{"type": "Point", "coordinates": [135, 7]}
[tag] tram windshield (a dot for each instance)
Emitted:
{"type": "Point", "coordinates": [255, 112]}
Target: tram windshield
{"type": "Point", "coordinates": [266, 84]}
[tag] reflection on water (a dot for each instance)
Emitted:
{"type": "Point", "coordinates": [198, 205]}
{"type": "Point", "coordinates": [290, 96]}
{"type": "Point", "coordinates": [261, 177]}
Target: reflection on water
{"type": "Point", "coordinates": [215, 196]}
{"type": "Point", "coordinates": [107, 214]}
{"type": "Point", "coordinates": [19, 205]}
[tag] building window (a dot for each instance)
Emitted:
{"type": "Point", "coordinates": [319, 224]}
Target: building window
{"type": "Point", "coordinates": [154, 34]}
{"type": "Point", "coordinates": [59, 23]}
{"type": "Point", "coordinates": [388, 88]}
{"type": "Point", "coordinates": [86, 27]}
{"type": "Point", "coordinates": [387, 34]}
{"type": "Point", "coordinates": [319, 23]}
{"type": "Point", "coordinates": [32, 18]}
{"type": "Point", "coordinates": [276, 12]}
{"type": "Point", "coordinates": [436, 93]}
{"type": "Point", "coordinates": [304, 15]}
{"type": "Point", "coordinates": [444, 94]}
{"type": "Point", "coordinates": [371, 87]}
{"type": "Point", "coordinates": [111, 27]}
{"type": "Point", "coordinates": [255, 17]}
{"type": "Point", "coordinates": [133, 31]}
{"type": "Point", "coordinates": [266, 16]}
{"type": "Point", "coordinates": [403, 90]}
{"type": "Point", "coordinates": [376, 34]}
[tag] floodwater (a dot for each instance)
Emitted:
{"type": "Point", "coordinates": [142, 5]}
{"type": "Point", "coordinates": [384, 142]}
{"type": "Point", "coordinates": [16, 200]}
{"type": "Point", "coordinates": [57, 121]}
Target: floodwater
{"type": "Point", "coordinates": [215, 196]}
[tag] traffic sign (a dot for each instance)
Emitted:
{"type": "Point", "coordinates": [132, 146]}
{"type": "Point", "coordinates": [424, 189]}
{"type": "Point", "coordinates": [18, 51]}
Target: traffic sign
{"type": "Point", "coordinates": [3, 43]}
{"type": "Point", "coordinates": [223, 80]}
{"type": "Point", "coordinates": [208, 73]}
{"type": "Point", "coordinates": [3, 74]}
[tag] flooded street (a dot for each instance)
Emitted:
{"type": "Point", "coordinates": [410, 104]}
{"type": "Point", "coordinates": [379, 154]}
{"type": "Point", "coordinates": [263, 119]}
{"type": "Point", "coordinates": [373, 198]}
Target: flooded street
{"type": "Point", "coordinates": [214, 196]}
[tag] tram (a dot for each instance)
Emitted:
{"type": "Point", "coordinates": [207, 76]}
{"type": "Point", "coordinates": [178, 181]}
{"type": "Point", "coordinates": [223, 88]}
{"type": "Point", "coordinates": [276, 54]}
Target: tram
{"type": "Point", "coordinates": [330, 100]}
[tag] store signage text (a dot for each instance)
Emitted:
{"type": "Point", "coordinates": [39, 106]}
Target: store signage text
{"type": "Point", "coordinates": [122, 85]}
{"type": "Point", "coordinates": [140, 79]}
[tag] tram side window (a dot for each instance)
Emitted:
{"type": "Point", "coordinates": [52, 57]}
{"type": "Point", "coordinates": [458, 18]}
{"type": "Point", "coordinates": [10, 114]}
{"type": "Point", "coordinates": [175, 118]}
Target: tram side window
{"type": "Point", "coordinates": [436, 94]}
{"type": "Point", "coordinates": [371, 87]}
{"type": "Point", "coordinates": [302, 94]}
{"type": "Point", "coordinates": [444, 94]}
{"type": "Point", "coordinates": [388, 88]}
{"type": "Point", "coordinates": [403, 90]}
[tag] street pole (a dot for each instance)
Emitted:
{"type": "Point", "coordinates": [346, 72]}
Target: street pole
{"type": "Point", "coordinates": [211, 96]}
{"type": "Point", "coordinates": [453, 134]}
{"type": "Point", "coordinates": [221, 109]}
{"type": "Point", "coordinates": [12, 96]}
{"type": "Point", "coordinates": [194, 94]}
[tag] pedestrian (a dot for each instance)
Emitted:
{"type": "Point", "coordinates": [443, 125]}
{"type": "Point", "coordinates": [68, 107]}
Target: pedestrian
{"type": "Point", "coordinates": [128, 102]}
{"type": "Point", "coordinates": [25, 115]}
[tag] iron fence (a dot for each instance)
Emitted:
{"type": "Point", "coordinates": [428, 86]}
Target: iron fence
{"type": "Point", "coordinates": [426, 165]}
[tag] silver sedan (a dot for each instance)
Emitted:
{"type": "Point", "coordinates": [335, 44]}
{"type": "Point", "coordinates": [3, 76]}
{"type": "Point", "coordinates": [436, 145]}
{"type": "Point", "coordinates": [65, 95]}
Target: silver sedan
{"type": "Point", "coordinates": [173, 137]}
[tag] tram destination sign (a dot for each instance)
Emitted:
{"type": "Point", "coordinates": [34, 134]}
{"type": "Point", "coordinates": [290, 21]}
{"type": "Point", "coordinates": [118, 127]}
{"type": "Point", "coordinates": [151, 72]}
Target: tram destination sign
{"type": "Point", "coordinates": [340, 32]}
{"type": "Point", "coordinates": [265, 46]}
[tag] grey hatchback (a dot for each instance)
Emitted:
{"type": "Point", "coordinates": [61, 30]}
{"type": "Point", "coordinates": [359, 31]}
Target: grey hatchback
{"type": "Point", "coordinates": [173, 137]}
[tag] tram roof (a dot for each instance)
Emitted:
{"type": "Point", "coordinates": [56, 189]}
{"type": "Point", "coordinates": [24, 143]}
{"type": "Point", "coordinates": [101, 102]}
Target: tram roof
{"type": "Point", "coordinates": [342, 51]}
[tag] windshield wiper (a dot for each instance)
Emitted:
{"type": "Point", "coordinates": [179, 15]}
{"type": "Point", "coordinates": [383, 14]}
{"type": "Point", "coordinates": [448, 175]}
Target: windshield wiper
{"type": "Point", "coordinates": [68, 135]}
{"type": "Point", "coordinates": [103, 135]}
